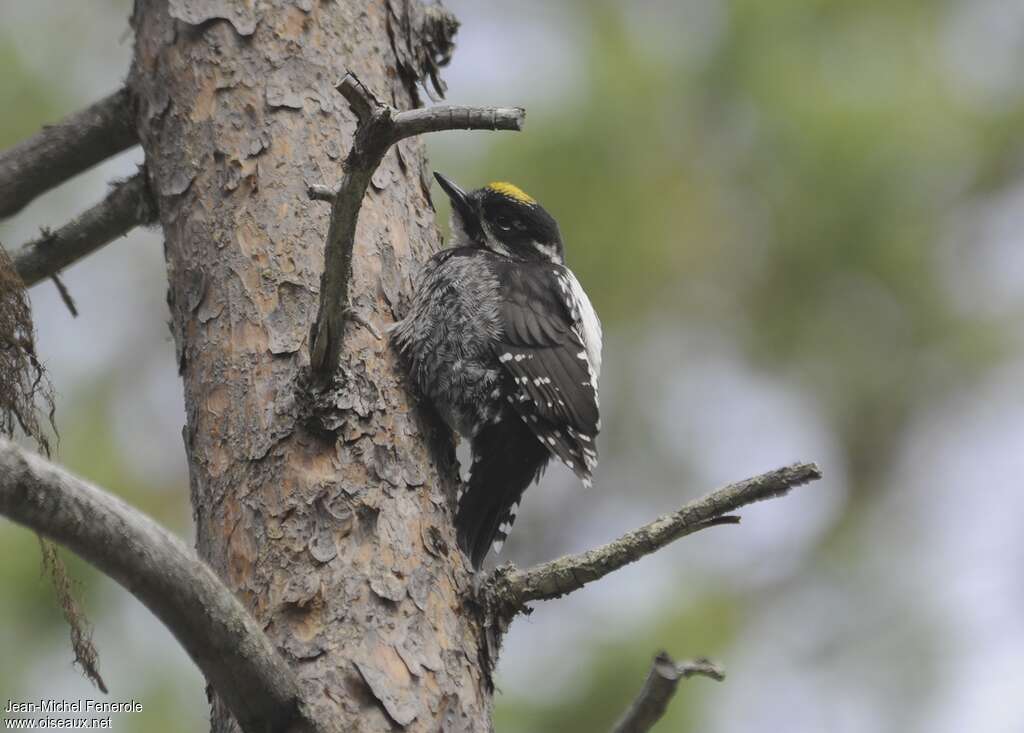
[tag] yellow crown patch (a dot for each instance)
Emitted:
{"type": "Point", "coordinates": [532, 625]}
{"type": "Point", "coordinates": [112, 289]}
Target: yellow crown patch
{"type": "Point", "coordinates": [513, 192]}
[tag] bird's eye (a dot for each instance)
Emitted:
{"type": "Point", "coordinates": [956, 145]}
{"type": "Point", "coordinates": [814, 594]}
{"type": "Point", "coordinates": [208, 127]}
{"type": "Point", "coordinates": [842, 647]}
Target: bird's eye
{"type": "Point", "coordinates": [503, 223]}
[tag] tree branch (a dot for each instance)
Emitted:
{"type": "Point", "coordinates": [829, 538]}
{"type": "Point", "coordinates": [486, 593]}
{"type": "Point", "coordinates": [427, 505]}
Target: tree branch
{"type": "Point", "coordinates": [652, 702]}
{"type": "Point", "coordinates": [59, 152]}
{"type": "Point", "coordinates": [128, 205]}
{"type": "Point", "coordinates": [378, 128]}
{"type": "Point", "coordinates": [509, 589]}
{"type": "Point", "coordinates": [170, 580]}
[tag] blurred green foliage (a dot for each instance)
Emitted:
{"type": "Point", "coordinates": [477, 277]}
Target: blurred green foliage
{"type": "Point", "coordinates": [604, 687]}
{"type": "Point", "coordinates": [32, 98]}
{"type": "Point", "coordinates": [788, 189]}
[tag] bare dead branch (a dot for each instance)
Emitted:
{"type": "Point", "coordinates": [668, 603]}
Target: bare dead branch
{"type": "Point", "coordinates": [379, 127]}
{"type": "Point", "coordinates": [509, 589]}
{"type": "Point", "coordinates": [443, 117]}
{"type": "Point", "coordinates": [61, 151]}
{"type": "Point", "coordinates": [128, 205]}
{"type": "Point", "coordinates": [171, 581]}
{"type": "Point", "coordinates": [652, 702]}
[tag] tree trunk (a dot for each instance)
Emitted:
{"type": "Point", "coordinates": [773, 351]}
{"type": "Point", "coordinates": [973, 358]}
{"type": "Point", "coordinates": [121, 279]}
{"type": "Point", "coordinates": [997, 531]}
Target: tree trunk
{"type": "Point", "coordinates": [333, 526]}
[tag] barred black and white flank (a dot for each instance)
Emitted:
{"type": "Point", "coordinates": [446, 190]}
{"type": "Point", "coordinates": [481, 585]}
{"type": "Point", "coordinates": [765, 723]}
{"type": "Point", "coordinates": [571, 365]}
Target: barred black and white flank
{"type": "Point", "coordinates": [504, 342]}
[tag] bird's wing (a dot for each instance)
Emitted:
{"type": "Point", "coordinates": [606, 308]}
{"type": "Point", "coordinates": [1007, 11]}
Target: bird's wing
{"type": "Point", "coordinates": [547, 347]}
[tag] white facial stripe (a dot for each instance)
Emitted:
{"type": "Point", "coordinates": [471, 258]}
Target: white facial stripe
{"type": "Point", "coordinates": [547, 251]}
{"type": "Point", "coordinates": [458, 238]}
{"type": "Point", "coordinates": [494, 244]}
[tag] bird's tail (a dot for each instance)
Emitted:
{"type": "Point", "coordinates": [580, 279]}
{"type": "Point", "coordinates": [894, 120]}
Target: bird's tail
{"type": "Point", "coordinates": [507, 457]}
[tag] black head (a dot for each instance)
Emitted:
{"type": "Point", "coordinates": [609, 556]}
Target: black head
{"type": "Point", "coordinates": [502, 218]}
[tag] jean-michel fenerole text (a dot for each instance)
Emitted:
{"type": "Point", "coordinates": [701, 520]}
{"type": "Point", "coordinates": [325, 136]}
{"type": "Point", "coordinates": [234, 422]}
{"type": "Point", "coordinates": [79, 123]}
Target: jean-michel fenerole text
{"type": "Point", "coordinates": [72, 706]}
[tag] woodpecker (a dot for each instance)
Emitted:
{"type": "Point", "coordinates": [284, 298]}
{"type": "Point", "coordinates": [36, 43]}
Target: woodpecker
{"type": "Point", "coordinates": [504, 342]}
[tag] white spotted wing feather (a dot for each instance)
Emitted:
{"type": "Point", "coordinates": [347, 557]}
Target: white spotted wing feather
{"type": "Point", "coordinates": [551, 349]}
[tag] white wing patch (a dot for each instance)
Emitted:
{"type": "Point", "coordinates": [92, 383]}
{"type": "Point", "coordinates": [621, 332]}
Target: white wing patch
{"type": "Point", "coordinates": [589, 322]}
{"type": "Point", "coordinates": [587, 326]}
{"type": "Point", "coordinates": [584, 315]}
{"type": "Point", "coordinates": [552, 352]}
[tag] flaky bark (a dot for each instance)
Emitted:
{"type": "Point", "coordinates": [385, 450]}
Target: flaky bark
{"type": "Point", "coordinates": [335, 531]}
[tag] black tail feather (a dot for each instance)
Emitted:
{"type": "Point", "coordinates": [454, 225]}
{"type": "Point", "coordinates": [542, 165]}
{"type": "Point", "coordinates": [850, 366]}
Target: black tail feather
{"type": "Point", "coordinates": [507, 457]}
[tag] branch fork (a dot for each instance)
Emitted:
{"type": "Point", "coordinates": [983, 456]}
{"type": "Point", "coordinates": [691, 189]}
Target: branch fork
{"type": "Point", "coordinates": [662, 681]}
{"type": "Point", "coordinates": [378, 127]}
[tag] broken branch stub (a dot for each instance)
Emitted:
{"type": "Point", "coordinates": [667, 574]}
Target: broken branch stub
{"type": "Point", "coordinates": [378, 127]}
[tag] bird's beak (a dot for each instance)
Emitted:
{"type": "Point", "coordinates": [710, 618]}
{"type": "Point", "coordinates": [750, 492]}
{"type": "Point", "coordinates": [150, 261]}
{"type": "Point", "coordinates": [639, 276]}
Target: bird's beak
{"type": "Point", "coordinates": [460, 202]}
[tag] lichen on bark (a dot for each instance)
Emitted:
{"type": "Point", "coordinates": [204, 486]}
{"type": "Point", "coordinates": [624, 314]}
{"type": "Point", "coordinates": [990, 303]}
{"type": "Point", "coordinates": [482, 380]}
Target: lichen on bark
{"type": "Point", "coordinates": [25, 389]}
{"type": "Point", "coordinates": [27, 405]}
